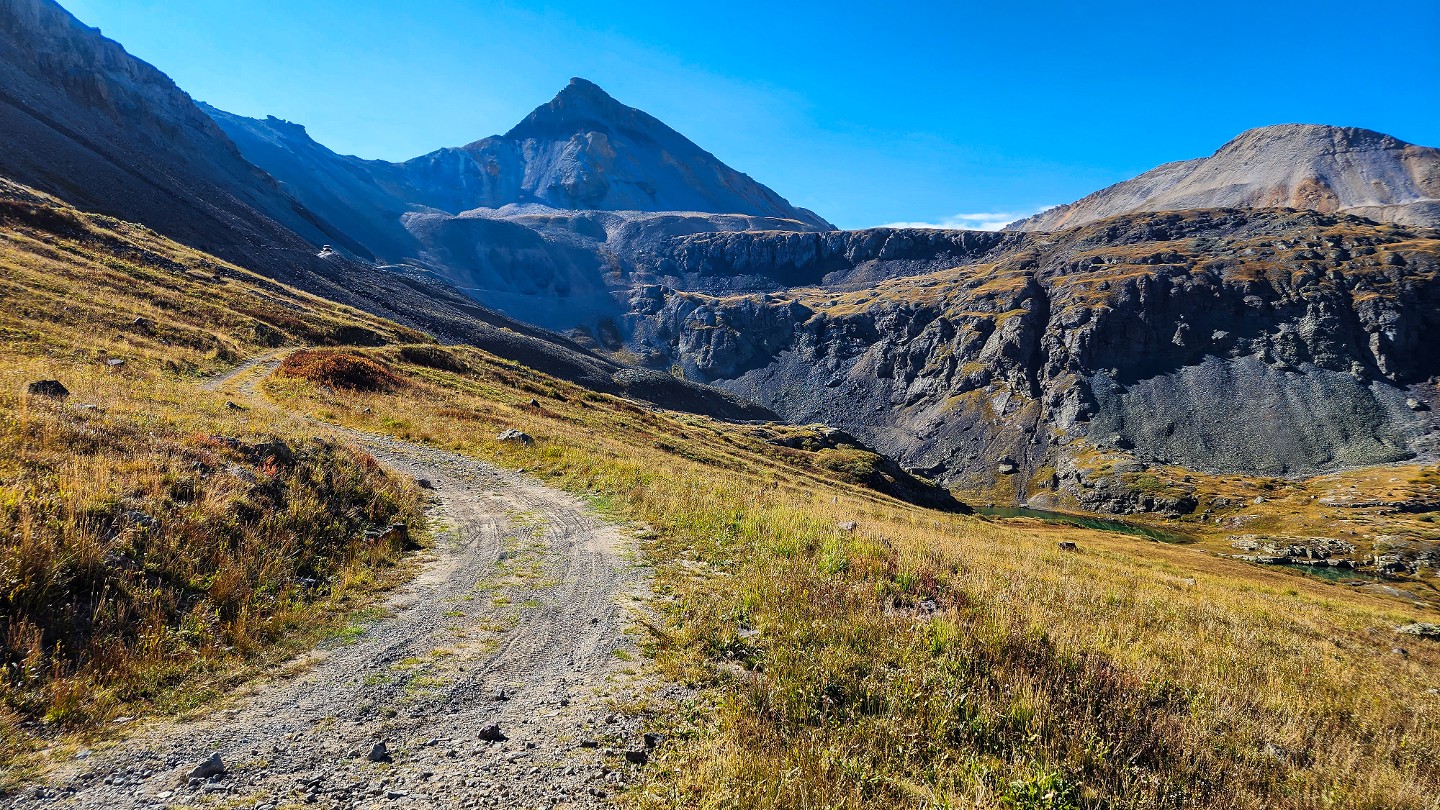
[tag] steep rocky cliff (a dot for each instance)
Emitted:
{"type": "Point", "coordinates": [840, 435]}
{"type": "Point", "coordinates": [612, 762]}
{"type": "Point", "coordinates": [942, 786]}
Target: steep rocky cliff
{"type": "Point", "coordinates": [1265, 341]}
{"type": "Point", "coordinates": [770, 260]}
{"type": "Point", "coordinates": [1302, 166]}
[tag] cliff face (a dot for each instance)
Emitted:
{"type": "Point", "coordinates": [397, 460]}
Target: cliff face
{"type": "Point", "coordinates": [1262, 341]}
{"type": "Point", "coordinates": [1318, 168]}
{"type": "Point", "coordinates": [773, 260]}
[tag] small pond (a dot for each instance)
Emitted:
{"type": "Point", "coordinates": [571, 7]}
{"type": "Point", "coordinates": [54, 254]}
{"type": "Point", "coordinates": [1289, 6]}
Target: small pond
{"type": "Point", "coordinates": [1086, 522]}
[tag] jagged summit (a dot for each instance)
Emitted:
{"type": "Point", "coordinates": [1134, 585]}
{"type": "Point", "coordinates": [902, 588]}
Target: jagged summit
{"type": "Point", "coordinates": [1307, 166]}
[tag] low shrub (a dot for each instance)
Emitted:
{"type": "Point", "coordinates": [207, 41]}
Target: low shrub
{"type": "Point", "coordinates": [340, 369]}
{"type": "Point", "coordinates": [432, 357]}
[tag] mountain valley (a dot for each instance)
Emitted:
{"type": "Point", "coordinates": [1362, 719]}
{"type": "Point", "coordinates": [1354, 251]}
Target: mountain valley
{"type": "Point", "coordinates": [572, 467]}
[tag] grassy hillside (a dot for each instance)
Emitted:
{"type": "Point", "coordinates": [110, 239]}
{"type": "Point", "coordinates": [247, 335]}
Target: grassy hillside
{"type": "Point", "coordinates": [915, 658]}
{"type": "Point", "coordinates": [155, 544]}
{"type": "Point", "coordinates": [930, 659]}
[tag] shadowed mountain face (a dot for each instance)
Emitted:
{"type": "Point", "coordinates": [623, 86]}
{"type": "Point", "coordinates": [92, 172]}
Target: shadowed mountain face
{"type": "Point", "coordinates": [86, 121]}
{"type": "Point", "coordinates": [1319, 168]}
{"type": "Point", "coordinates": [586, 151]}
{"type": "Point", "coordinates": [583, 151]}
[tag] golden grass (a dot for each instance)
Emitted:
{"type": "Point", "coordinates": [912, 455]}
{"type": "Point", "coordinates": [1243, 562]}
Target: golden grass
{"type": "Point", "coordinates": [155, 544]}
{"type": "Point", "coordinates": [921, 660]}
{"type": "Point", "coordinates": [939, 660]}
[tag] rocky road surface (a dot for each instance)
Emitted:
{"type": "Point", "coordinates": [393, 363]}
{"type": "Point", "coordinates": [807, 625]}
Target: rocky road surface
{"type": "Point", "coordinates": [516, 624]}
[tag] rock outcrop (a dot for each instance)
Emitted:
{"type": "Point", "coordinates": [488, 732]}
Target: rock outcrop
{"type": "Point", "coordinates": [1301, 166]}
{"type": "Point", "coordinates": [1260, 341]}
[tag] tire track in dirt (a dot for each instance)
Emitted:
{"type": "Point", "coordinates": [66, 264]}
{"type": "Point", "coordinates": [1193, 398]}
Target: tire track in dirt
{"type": "Point", "coordinates": [517, 618]}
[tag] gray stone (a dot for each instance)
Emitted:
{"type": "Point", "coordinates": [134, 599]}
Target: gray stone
{"type": "Point", "coordinates": [516, 436]}
{"type": "Point", "coordinates": [208, 768]}
{"type": "Point", "coordinates": [1422, 629]}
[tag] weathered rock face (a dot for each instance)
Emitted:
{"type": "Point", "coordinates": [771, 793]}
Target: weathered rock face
{"type": "Point", "coordinates": [1318, 168]}
{"type": "Point", "coordinates": [1263, 341]}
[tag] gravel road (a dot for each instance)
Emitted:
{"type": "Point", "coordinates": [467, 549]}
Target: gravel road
{"type": "Point", "coordinates": [517, 619]}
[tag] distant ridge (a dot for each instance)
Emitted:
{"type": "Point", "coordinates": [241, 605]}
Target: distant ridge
{"type": "Point", "coordinates": [1305, 166]}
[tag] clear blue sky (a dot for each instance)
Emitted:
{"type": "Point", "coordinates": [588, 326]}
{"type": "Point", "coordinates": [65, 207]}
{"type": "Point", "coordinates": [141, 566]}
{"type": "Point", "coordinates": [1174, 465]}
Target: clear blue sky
{"type": "Point", "coordinates": [868, 113]}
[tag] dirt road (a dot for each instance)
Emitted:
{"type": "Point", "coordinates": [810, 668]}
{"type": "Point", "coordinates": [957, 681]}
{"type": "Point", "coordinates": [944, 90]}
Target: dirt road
{"type": "Point", "coordinates": [517, 619]}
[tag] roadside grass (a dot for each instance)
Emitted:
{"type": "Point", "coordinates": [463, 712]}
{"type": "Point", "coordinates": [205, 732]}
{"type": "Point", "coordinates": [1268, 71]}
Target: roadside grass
{"type": "Point", "coordinates": [928, 659]}
{"type": "Point", "coordinates": [157, 546]}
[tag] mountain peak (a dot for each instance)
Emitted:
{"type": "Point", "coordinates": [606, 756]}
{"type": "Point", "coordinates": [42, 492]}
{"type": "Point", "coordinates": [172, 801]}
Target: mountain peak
{"type": "Point", "coordinates": [585, 94]}
{"type": "Point", "coordinates": [583, 86]}
{"type": "Point", "coordinates": [1312, 137]}
{"type": "Point", "coordinates": [581, 102]}
{"type": "Point", "coordinates": [1305, 166]}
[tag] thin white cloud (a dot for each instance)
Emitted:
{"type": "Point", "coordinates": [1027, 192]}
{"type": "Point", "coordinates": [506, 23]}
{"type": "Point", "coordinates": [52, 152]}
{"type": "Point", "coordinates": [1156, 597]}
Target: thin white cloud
{"type": "Point", "coordinates": [984, 221]}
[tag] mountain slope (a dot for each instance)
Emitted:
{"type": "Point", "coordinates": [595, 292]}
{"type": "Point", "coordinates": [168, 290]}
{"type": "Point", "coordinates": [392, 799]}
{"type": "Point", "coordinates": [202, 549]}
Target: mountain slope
{"type": "Point", "coordinates": [1320, 168]}
{"type": "Point", "coordinates": [86, 121]}
{"type": "Point", "coordinates": [107, 132]}
{"type": "Point", "coordinates": [157, 544]}
{"type": "Point", "coordinates": [533, 221]}
{"type": "Point", "coordinates": [358, 197]}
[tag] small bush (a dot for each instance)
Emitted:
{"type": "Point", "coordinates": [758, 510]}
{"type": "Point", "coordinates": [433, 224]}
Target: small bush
{"type": "Point", "coordinates": [432, 357]}
{"type": "Point", "coordinates": [340, 369]}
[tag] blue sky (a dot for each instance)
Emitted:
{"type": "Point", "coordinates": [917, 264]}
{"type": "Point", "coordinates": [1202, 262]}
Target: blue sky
{"type": "Point", "coordinates": [958, 113]}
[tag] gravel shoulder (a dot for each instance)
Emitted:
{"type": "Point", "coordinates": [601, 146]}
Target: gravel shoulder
{"type": "Point", "coordinates": [517, 619]}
